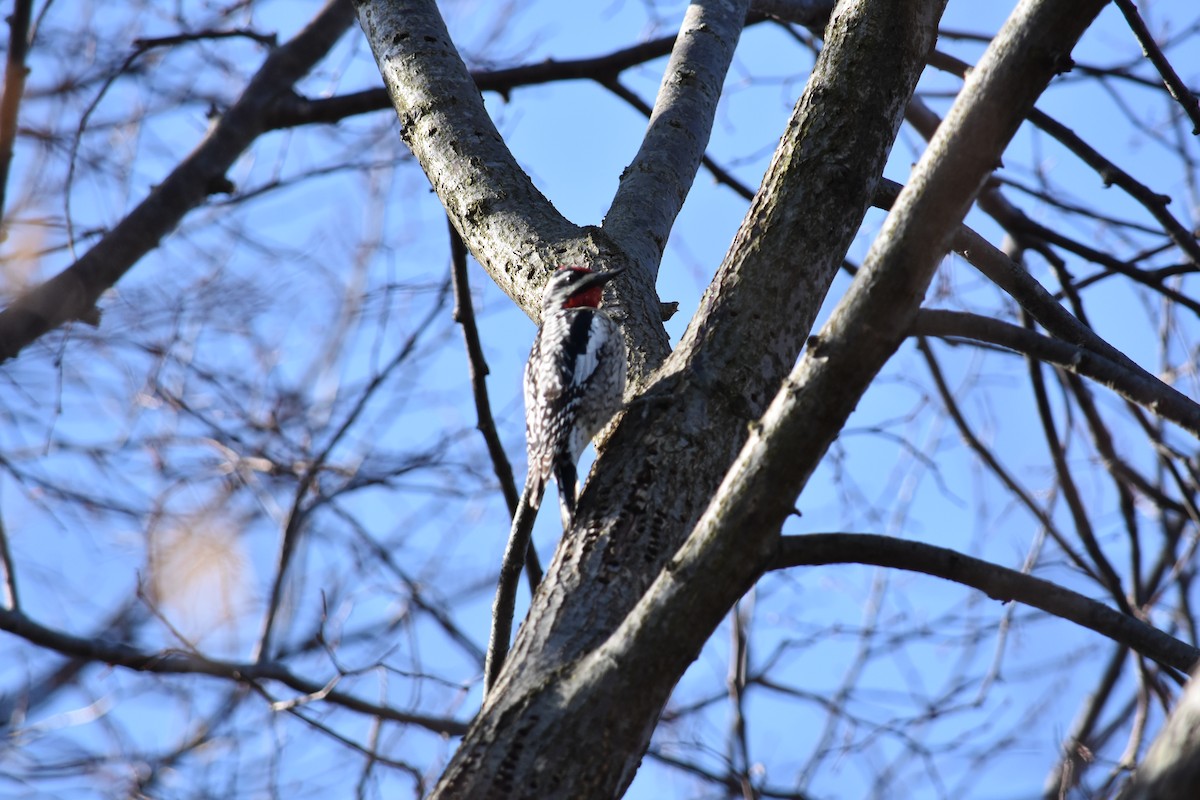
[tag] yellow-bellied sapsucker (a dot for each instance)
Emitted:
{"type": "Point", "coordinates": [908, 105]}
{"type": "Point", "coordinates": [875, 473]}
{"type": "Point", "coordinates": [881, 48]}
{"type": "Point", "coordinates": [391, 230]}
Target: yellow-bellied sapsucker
{"type": "Point", "coordinates": [574, 380]}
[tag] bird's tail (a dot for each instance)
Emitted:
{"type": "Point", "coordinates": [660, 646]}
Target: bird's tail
{"type": "Point", "coordinates": [566, 478]}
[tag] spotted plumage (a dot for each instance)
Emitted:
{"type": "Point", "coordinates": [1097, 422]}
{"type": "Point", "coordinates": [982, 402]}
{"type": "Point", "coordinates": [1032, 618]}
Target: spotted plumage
{"type": "Point", "coordinates": [574, 380]}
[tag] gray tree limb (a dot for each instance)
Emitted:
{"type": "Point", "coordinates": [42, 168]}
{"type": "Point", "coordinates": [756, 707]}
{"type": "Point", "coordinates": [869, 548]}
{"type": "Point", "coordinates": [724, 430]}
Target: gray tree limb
{"type": "Point", "coordinates": [1136, 386]}
{"type": "Point", "coordinates": [997, 582]}
{"type": "Point", "coordinates": [654, 186]}
{"type": "Point", "coordinates": [547, 729]}
{"type": "Point", "coordinates": [738, 533]}
{"type": "Point", "coordinates": [1171, 768]}
{"type": "Point", "coordinates": [513, 231]}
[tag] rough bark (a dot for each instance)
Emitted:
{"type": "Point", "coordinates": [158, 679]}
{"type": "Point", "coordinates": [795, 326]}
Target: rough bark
{"type": "Point", "coordinates": [549, 729]}
{"type": "Point", "coordinates": [1171, 768]}
{"type": "Point", "coordinates": [514, 232]}
{"type": "Point", "coordinates": [738, 533]}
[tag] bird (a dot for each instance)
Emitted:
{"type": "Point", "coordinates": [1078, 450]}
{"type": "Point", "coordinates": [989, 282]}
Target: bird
{"type": "Point", "coordinates": [574, 381]}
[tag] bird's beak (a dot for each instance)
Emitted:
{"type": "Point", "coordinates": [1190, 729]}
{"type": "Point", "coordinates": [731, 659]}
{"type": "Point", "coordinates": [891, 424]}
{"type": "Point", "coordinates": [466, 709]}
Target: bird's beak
{"type": "Point", "coordinates": [601, 278]}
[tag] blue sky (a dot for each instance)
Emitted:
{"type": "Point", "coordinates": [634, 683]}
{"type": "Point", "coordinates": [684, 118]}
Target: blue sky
{"type": "Point", "coordinates": [574, 139]}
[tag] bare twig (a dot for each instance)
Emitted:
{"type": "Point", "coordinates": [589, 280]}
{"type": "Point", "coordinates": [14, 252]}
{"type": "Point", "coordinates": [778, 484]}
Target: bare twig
{"type": "Point", "coordinates": [265, 39]}
{"type": "Point", "coordinates": [72, 294]}
{"type": "Point", "coordinates": [174, 662]}
{"type": "Point", "coordinates": [735, 681]}
{"type": "Point", "coordinates": [299, 512]}
{"type": "Point", "coordinates": [1175, 85]}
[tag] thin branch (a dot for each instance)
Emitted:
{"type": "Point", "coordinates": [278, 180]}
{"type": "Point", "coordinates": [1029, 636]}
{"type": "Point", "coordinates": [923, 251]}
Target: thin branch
{"type": "Point", "coordinates": [174, 662]}
{"type": "Point", "coordinates": [1175, 85]}
{"type": "Point", "coordinates": [464, 315]}
{"type": "Point", "coordinates": [799, 12]}
{"type": "Point", "coordinates": [653, 187]}
{"type": "Point", "coordinates": [1079, 742]}
{"type": "Point", "coordinates": [1126, 379]}
{"type": "Point", "coordinates": [297, 110]}
{"type": "Point", "coordinates": [12, 600]}
{"type": "Point", "coordinates": [997, 582]}
{"type": "Point", "coordinates": [516, 552]}
{"type": "Point", "coordinates": [735, 680]}
{"type": "Point", "coordinates": [265, 39]}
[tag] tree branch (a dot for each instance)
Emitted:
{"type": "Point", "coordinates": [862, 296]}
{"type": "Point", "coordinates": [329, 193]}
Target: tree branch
{"type": "Point", "coordinates": [1136, 386]}
{"type": "Point", "coordinates": [167, 662]}
{"type": "Point", "coordinates": [72, 294]}
{"type": "Point", "coordinates": [1171, 768]}
{"type": "Point", "coordinates": [1175, 85]}
{"type": "Point", "coordinates": [653, 187]}
{"type": "Point", "coordinates": [510, 227]}
{"type": "Point", "coordinates": [737, 534]}
{"type": "Point", "coordinates": [999, 583]}
{"type": "Point", "coordinates": [667, 455]}
{"type": "Point", "coordinates": [516, 552]}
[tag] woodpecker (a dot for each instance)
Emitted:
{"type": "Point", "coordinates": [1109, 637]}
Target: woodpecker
{"type": "Point", "coordinates": [574, 381]}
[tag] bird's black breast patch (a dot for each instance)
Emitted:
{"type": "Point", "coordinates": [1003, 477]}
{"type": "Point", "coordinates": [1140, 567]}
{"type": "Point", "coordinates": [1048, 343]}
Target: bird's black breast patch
{"type": "Point", "coordinates": [577, 340]}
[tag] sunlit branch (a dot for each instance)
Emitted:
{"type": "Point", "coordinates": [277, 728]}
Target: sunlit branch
{"type": "Point", "coordinates": [654, 185]}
